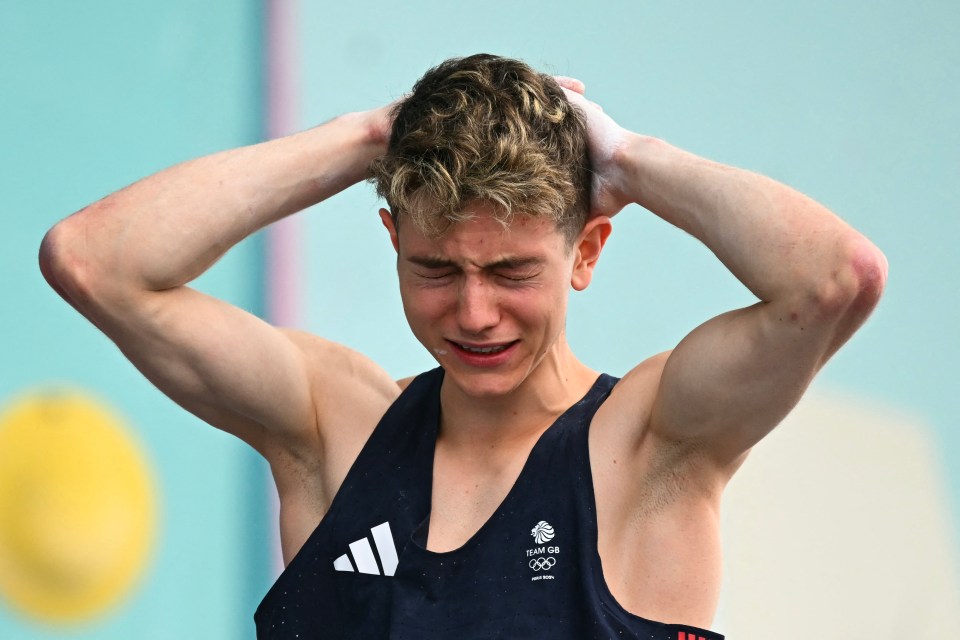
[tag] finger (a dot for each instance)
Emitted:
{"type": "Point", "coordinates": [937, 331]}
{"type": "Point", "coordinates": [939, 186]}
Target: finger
{"type": "Point", "coordinates": [578, 99]}
{"type": "Point", "coordinates": [570, 83]}
{"type": "Point", "coordinates": [574, 97]}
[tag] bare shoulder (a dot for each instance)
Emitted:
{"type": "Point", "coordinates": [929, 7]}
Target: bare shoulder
{"type": "Point", "coordinates": [626, 412]}
{"type": "Point", "coordinates": [337, 365]}
{"type": "Point", "coordinates": [403, 383]}
{"type": "Point", "coordinates": [630, 458]}
{"type": "Point", "coordinates": [349, 392]}
{"type": "Point", "coordinates": [620, 446]}
{"type": "Point", "coordinates": [623, 430]}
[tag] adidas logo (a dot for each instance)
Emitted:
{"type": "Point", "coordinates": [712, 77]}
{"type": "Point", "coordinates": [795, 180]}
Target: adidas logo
{"type": "Point", "coordinates": [362, 552]}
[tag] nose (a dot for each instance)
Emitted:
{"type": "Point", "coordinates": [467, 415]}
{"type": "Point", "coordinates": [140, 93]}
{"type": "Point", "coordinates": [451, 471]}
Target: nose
{"type": "Point", "coordinates": [477, 306]}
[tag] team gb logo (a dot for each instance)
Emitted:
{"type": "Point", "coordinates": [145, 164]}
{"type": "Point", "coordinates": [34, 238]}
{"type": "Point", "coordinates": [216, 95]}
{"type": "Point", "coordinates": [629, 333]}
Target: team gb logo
{"type": "Point", "coordinates": [543, 532]}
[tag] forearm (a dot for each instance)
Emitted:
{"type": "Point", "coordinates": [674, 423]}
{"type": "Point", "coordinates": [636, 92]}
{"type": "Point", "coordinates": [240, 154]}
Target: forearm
{"type": "Point", "coordinates": [167, 229]}
{"type": "Point", "coordinates": [778, 242]}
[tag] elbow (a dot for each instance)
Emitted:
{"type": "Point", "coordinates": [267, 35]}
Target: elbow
{"type": "Point", "coordinates": [871, 267]}
{"type": "Point", "coordinates": [856, 282]}
{"type": "Point", "coordinates": [61, 266]}
{"type": "Point", "coordinates": [53, 263]}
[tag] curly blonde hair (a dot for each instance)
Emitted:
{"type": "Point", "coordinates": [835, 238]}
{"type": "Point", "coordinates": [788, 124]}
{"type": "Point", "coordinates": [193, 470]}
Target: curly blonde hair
{"type": "Point", "coordinates": [491, 129]}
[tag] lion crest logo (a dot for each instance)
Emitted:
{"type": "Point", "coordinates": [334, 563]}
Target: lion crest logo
{"type": "Point", "coordinates": [543, 532]}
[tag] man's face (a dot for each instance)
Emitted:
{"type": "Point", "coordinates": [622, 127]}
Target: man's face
{"type": "Point", "coordinates": [488, 302]}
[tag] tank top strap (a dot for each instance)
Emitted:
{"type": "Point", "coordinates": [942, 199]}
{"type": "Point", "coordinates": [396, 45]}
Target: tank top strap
{"type": "Point", "coordinates": [572, 429]}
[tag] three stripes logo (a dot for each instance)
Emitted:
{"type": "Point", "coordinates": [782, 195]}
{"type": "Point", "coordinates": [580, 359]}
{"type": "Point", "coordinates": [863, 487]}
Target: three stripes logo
{"type": "Point", "coordinates": [362, 553]}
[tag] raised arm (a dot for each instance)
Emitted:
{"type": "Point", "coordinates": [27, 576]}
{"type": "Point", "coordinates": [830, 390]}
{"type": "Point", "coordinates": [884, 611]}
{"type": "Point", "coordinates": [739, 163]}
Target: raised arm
{"type": "Point", "coordinates": [123, 262]}
{"type": "Point", "coordinates": [733, 379]}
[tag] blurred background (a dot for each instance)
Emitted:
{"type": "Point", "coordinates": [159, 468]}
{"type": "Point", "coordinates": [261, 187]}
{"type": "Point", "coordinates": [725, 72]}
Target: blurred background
{"type": "Point", "coordinates": [122, 516]}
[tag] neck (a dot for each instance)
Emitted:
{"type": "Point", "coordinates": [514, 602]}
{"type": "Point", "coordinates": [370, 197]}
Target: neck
{"type": "Point", "coordinates": [481, 423]}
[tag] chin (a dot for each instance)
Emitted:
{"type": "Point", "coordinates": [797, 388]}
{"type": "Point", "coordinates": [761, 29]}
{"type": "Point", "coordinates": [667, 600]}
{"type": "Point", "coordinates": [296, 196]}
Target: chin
{"type": "Point", "coordinates": [487, 384]}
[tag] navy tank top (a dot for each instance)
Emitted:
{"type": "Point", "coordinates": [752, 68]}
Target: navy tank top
{"type": "Point", "coordinates": [531, 571]}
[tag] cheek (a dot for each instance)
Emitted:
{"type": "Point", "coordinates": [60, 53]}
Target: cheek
{"type": "Point", "coordinates": [538, 307]}
{"type": "Point", "coordinates": [424, 304]}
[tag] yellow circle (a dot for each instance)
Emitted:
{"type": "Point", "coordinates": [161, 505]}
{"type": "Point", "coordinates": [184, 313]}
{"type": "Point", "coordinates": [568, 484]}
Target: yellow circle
{"type": "Point", "coordinates": [77, 507]}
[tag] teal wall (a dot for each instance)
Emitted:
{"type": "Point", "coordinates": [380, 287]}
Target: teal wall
{"type": "Point", "coordinates": [854, 103]}
{"type": "Point", "coordinates": [94, 96]}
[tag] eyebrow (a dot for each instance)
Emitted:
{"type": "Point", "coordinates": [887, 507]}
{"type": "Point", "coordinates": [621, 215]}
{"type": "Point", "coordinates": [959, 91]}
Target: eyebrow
{"type": "Point", "coordinates": [510, 262]}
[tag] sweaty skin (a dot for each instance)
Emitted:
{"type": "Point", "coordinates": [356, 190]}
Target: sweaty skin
{"type": "Point", "coordinates": [489, 303]}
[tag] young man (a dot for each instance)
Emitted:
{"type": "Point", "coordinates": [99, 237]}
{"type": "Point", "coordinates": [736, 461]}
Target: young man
{"type": "Point", "coordinates": [513, 492]}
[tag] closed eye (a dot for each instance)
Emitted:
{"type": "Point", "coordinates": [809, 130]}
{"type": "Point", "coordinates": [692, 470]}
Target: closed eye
{"type": "Point", "coordinates": [518, 277]}
{"type": "Point", "coordinates": [434, 275]}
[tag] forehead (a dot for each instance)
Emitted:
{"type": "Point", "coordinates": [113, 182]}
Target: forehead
{"type": "Point", "coordinates": [483, 236]}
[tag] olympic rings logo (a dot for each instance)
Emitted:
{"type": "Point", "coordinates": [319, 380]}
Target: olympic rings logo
{"type": "Point", "coordinates": [545, 564]}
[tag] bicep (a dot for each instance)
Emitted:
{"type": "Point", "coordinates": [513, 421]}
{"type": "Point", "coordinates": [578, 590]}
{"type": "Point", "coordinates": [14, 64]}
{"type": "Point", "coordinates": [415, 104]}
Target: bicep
{"type": "Point", "coordinates": [219, 362]}
{"type": "Point", "coordinates": [734, 378]}
{"type": "Point", "coordinates": [271, 387]}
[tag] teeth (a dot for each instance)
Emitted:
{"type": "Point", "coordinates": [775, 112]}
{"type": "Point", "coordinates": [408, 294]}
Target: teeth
{"type": "Point", "coordinates": [482, 350]}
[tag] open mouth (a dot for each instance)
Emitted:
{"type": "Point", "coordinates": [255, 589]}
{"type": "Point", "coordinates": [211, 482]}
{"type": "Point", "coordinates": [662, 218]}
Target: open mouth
{"type": "Point", "coordinates": [479, 357]}
{"type": "Point", "coordinates": [483, 350]}
{"type": "Point", "coordinates": [477, 353]}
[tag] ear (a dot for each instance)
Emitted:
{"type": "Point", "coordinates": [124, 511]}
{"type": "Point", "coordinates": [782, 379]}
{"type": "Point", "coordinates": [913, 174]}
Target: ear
{"type": "Point", "coordinates": [387, 221]}
{"type": "Point", "coordinates": [587, 250]}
